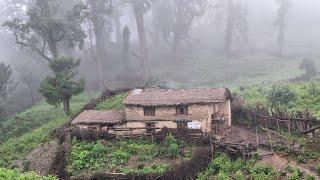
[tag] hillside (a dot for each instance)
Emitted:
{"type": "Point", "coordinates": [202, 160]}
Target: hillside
{"type": "Point", "coordinates": [25, 131]}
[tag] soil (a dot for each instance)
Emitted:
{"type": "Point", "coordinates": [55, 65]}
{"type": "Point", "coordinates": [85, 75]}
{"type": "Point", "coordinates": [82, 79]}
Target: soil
{"type": "Point", "coordinates": [279, 161]}
{"type": "Point", "coordinates": [41, 159]}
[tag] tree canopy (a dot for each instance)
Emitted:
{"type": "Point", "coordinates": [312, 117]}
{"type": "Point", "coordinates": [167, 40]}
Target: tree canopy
{"type": "Point", "coordinates": [61, 87]}
{"type": "Point", "coordinates": [46, 26]}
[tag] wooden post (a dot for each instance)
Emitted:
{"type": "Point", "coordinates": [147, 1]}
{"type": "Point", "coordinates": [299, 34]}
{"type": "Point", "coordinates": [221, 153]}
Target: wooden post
{"type": "Point", "coordinates": [278, 125]}
{"type": "Point", "coordinates": [257, 137]}
{"type": "Point", "coordinates": [289, 126]}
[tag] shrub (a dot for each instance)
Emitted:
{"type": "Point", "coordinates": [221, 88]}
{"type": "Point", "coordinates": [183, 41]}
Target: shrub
{"type": "Point", "coordinates": [16, 175]}
{"type": "Point", "coordinates": [296, 175]}
{"type": "Point", "coordinates": [310, 177]}
{"type": "Point", "coordinates": [239, 175]}
{"type": "Point", "coordinates": [309, 68]}
{"type": "Point", "coordinates": [170, 148]}
{"type": "Point", "coordinates": [261, 172]}
{"type": "Point", "coordinates": [222, 176]}
{"type": "Point", "coordinates": [120, 156]}
{"type": "Point", "coordinates": [280, 95]}
{"type": "Point", "coordinates": [318, 168]}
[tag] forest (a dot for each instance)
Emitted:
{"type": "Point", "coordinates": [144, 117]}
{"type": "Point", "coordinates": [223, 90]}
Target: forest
{"type": "Point", "coordinates": [59, 58]}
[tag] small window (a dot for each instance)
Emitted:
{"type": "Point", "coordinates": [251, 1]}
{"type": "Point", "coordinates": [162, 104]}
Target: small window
{"type": "Point", "coordinates": [182, 110]}
{"type": "Point", "coordinates": [150, 127]}
{"type": "Point", "coordinates": [149, 111]}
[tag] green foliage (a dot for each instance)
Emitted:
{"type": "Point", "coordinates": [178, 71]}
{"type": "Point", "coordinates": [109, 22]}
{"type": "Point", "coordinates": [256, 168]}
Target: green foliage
{"type": "Point", "coordinates": [296, 174]}
{"type": "Point", "coordinates": [63, 85]}
{"type": "Point", "coordinates": [307, 96]}
{"type": "Point", "coordinates": [7, 86]}
{"type": "Point", "coordinates": [262, 172]}
{"type": "Point", "coordinates": [154, 169]}
{"type": "Point", "coordinates": [89, 156]}
{"type": "Point", "coordinates": [16, 175]}
{"type": "Point", "coordinates": [86, 156]}
{"type": "Point", "coordinates": [280, 95]}
{"type": "Point", "coordinates": [113, 102]}
{"type": "Point", "coordinates": [170, 148]}
{"type": "Point", "coordinates": [310, 177]}
{"type": "Point", "coordinates": [318, 168]}
{"type": "Point", "coordinates": [239, 175]}
{"type": "Point", "coordinates": [46, 24]}
{"type": "Point", "coordinates": [222, 165]}
{"type": "Point", "coordinates": [37, 116]}
{"type": "Point", "coordinates": [18, 148]}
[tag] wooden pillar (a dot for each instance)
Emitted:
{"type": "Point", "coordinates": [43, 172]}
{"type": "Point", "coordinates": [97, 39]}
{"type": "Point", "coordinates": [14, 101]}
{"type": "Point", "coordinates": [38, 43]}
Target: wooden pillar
{"type": "Point", "coordinates": [99, 128]}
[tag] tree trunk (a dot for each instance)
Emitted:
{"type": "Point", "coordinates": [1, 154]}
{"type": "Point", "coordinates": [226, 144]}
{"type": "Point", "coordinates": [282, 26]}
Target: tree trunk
{"type": "Point", "coordinates": [53, 49]}
{"type": "Point", "coordinates": [117, 25]}
{"type": "Point", "coordinates": [280, 38]}
{"type": "Point", "coordinates": [229, 28]}
{"type": "Point", "coordinates": [142, 37]}
{"type": "Point", "coordinates": [100, 33]}
{"type": "Point", "coordinates": [66, 106]}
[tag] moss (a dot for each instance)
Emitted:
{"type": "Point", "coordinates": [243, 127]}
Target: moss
{"type": "Point", "coordinates": [113, 103]}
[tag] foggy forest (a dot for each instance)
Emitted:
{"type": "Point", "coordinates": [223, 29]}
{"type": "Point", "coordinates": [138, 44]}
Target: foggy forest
{"type": "Point", "coordinates": [59, 57]}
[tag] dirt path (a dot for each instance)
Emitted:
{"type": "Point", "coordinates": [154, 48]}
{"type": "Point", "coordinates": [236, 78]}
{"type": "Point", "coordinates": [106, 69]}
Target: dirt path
{"type": "Point", "coordinates": [240, 134]}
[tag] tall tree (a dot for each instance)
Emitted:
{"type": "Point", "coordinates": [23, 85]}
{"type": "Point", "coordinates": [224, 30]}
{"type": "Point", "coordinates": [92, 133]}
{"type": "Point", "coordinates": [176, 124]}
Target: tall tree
{"type": "Point", "coordinates": [234, 15]}
{"type": "Point", "coordinates": [126, 47]}
{"type": "Point", "coordinates": [7, 86]}
{"type": "Point", "coordinates": [63, 85]}
{"type": "Point", "coordinates": [99, 9]}
{"type": "Point", "coordinates": [140, 7]}
{"type": "Point", "coordinates": [281, 22]}
{"type": "Point", "coordinates": [45, 27]}
{"type": "Point", "coordinates": [174, 19]}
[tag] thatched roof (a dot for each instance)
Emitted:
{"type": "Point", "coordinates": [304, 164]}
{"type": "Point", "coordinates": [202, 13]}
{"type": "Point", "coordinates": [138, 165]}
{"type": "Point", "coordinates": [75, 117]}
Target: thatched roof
{"type": "Point", "coordinates": [160, 97]}
{"type": "Point", "coordinates": [109, 117]}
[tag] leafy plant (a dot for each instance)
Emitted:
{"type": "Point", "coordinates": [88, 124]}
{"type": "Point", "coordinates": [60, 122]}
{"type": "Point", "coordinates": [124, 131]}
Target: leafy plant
{"type": "Point", "coordinates": [261, 172]}
{"type": "Point", "coordinates": [318, 168]}
{"type": "Point", "coordinates": [280, 95]}
{"type": "Point", "coordinates": [16, 175]}
{"type": "Point", "coordinates": [170, 148]}
{"type": "Point", "coordinates": [63, 85]}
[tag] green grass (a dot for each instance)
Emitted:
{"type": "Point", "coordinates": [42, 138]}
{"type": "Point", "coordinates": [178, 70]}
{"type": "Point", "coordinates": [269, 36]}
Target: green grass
{"type": "Point", "coordinates": [130, 156]}
{"type": "Point", "coordinates": [16, 175]}
{"type": "Point", "coordinates": [38, 115]}
{"type": "Point", "coordinates": [24, 132]}
{"type": "Point", "coordinates": [307, 96]}
{"type": "Point", "coordinates": [222, 167]}
{"type": "Point", "coordinates": [113, 103]}
{"type": "Point", "coordinates": [18, 148]}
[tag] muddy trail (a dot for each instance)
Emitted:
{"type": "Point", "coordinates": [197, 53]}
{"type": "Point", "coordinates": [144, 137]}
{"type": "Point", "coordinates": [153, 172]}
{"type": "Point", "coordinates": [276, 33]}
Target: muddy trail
{"type": "Point", "coordinates": [277, 160]}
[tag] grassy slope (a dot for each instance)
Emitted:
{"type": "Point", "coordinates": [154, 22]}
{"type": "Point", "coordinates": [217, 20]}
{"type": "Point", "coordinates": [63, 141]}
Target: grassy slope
{"type": "Point", "coordinates": [307, 95]}
{"type": "Point", "coordinates": [33, 127]}
{"type": "Point", "coordinates": [217, 70]}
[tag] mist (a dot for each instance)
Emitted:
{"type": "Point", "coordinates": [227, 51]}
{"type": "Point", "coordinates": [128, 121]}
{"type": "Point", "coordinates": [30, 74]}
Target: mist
{"type": "Point", "coordinates": [173, 44]}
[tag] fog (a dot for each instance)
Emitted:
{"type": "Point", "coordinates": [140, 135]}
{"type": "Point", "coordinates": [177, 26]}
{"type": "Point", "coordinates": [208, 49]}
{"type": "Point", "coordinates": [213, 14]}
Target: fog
{"type": "Point", "coordinates": [173, 44]}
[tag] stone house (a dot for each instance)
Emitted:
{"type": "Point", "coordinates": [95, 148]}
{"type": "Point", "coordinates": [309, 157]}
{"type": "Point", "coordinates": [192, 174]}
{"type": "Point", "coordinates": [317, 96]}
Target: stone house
{"type": "Point", "coordinates": [150, 110]}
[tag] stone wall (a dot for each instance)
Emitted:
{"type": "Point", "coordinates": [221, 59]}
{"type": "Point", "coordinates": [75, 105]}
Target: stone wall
{"type": "Point", "coordinates": [165, 116]}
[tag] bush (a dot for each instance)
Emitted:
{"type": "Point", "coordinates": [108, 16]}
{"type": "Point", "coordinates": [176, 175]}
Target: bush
{"type": "Point", "coordinates": [310, 177]}
{"type": "Point", "coordinates": [170, 148]}
{"type": "Point", "coordinates": [296, 175]}
{"type": "Point", "coordinates": [16, 175]}
{"type": "Point", "coordinates": [309, 68]}
{"type": "Point", "coordinates": [239, 175]}
{"type": "Point", "coordinates": [262, 172]}
{"type": "Point", "coordinates": [318, 168]}
{"type": "Point", "coordinates": [280, 95]}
